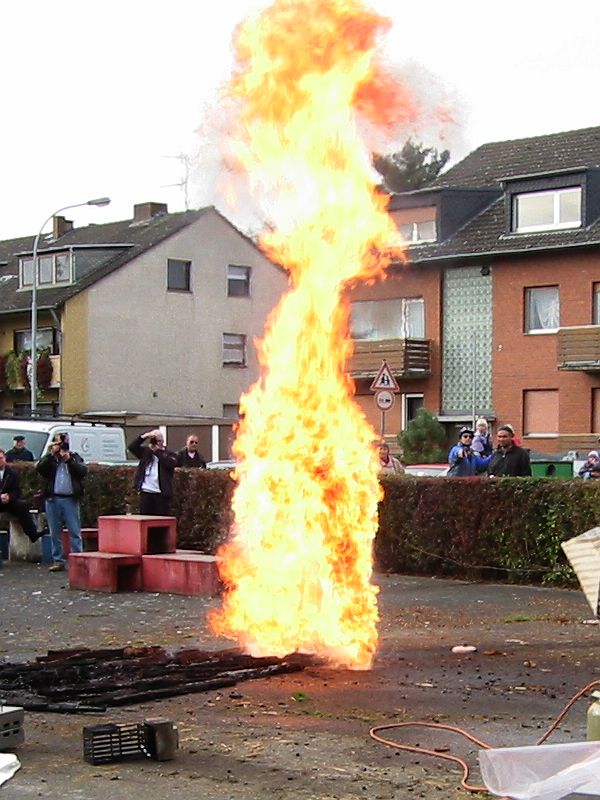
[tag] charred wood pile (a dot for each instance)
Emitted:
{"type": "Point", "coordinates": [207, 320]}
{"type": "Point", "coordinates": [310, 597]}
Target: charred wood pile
{"type": "Point", "coordinates": [85, 680]}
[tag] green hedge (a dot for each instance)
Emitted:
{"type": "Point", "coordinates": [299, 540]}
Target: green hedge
{"type": "Point", "coordinates": [509, 528]}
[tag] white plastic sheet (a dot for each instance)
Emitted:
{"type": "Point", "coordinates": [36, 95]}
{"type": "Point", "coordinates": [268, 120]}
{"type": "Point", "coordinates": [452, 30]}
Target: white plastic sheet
{"type": "Point", "coordinates": [9, 764]}
{"type": "Point", "coordinates": [544, 772]}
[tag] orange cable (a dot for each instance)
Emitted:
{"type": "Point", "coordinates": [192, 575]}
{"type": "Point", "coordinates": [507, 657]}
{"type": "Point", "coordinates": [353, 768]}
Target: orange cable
{"type": "Point", "coordinates": [374, 734]}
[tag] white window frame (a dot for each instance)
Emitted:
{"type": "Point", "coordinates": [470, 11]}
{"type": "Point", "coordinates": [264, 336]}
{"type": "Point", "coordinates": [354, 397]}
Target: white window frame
{"type": "Point", "coordinates": [234, 350]}
{"type": "Point", "coordinates": [415, 237]}
{"type": "Point", "coordinates": [539, 331]}
{"type": "Point", "coordinates": [556, 224]}
{"type": "Point", "coordinates": [596, 304]}
{"type": "Point", "coordinates": [27, 262]}
{"type": "Point", "coordinates": [403, 318]}
{"type": "Point", "coordinates": [405, 398]}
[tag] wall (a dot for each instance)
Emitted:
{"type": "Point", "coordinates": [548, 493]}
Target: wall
{"type": "Point", "coordinates": [156, 351]}
{"type": "Point", "coordinates": [529, 361]}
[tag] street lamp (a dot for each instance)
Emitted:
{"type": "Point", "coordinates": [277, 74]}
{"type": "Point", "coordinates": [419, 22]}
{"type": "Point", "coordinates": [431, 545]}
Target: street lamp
{"type": "Point", "coordinates": [98, 201]}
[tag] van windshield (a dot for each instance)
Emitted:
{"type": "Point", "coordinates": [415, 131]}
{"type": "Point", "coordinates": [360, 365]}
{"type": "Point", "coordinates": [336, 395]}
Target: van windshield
{"type": "Point", "coordinates": [34, 440]}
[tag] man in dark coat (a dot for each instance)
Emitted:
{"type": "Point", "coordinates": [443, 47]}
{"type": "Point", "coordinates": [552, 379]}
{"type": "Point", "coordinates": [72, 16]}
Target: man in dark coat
{"type": "Point", "coordinates": [10, 499]}
{"type": "Point", "coordinates": [508, 460]}
{"type": "Point", "coordinates": [189, 455]}
{"type": "Point", "coordinates": [19, 452]}
{"type": "Point", "coordinates": [154, 475]}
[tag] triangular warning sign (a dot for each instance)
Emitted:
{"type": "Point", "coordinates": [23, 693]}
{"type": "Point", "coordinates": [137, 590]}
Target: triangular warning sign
{"type": "Point", "coordinates": [385, 380]}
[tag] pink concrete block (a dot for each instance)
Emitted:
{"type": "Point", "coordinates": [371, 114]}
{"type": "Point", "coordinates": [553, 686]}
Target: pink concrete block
{"type": "Point", "coordinates": [89, 537]}
{"type": "Point", "coordinates": [137, 534]}
{"type": "Point", "coordinates": [105, 572]}
{"type": "Point", "coordinates": [184, 572]}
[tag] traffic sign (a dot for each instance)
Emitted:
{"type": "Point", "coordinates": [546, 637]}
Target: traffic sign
{"type": "Point", "coordinates": [384, 399]}
{"type": "Point", "coordinates": [385, 380]}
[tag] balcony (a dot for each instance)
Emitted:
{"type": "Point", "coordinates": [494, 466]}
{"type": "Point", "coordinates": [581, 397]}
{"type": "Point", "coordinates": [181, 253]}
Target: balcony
{"type": "Point", "coordinates": [55, 383]}
{"type": "Point", "coordinates": [407, 358]}
{"type": "Point", "coordinates": [579, 348]}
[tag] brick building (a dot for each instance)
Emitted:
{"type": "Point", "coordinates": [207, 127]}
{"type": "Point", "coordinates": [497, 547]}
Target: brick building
{"type": "Point", "coordinates": [500, 295]}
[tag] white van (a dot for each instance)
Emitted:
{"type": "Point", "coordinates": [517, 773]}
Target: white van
{"type": "Point", "coordinates": [94, 442]}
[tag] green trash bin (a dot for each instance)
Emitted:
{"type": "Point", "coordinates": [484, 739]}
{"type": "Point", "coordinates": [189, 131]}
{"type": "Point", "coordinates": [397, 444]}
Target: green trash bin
{"type": "Point", "coordinates": [552, 469]}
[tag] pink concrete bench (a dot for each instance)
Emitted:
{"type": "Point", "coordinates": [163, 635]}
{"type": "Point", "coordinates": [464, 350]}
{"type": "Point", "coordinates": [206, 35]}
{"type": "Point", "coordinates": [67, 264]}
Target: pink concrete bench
{"type": "Point", "coordinates": [105, 572]}
{"type": "Point", "coordinates": [184, 572]}
{"type": "Point", "coordinates": [89, 538]}
{"type": "Point", "coordinates": [137, 534]}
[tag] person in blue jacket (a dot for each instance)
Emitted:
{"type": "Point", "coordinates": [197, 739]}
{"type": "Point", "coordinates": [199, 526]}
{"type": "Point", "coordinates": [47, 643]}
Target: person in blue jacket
{"type": "Point", "coordinates": [463, 460]}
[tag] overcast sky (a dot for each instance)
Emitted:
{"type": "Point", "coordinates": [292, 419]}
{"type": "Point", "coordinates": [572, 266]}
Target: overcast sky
{"type": "Point", "coordinates": [101, 98]}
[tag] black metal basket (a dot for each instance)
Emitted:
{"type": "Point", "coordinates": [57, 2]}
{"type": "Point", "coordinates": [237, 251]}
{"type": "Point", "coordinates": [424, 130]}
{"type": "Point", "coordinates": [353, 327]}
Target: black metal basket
{"type": "Point", "coordinates": [103, 744]}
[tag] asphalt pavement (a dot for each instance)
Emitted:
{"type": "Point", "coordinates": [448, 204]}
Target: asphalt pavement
{"type": "Point", "coordinates": [306, 735]}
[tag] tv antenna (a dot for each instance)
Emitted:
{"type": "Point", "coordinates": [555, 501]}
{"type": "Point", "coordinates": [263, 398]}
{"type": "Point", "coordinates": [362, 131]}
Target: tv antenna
{"type": "Point", "coordinates": [185, 162]}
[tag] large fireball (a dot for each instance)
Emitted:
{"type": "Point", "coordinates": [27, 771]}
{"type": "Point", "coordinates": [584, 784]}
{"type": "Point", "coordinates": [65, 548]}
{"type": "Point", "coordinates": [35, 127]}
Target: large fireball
{"type": "Point", "coordinates": [299, 562]}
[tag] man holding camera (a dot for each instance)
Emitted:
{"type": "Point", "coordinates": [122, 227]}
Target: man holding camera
{"type": "Point", "coordinates": [464, 461]}
{"type": "Point", "coordinates": [154, 475]}
{"type": "Point", "coordinates": [63, 472]}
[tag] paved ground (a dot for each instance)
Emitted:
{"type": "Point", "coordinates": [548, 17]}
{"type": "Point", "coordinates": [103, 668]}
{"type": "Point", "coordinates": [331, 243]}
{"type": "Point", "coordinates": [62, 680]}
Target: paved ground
{"type": "Point", "coordinates": [306, 735]}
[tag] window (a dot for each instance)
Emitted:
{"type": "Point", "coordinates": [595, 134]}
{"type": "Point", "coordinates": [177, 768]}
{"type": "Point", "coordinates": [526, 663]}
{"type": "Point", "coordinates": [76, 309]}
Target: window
{"type": "Point", "coordinates": [542, 309]}
{"type": "Point", "coordinates": [402, 318]}
{"type": "Point", "coordinates": [539, 211]}
{"type": "Point", "coordinates": [414, 232]}
{"type": "Point", "coordinates": [540, 412]}
{"type": "Point", "coordinates": [52, 268]}
{"type": "Point", "coordinates": [231, 411]}
{"type": "Point", "coordinates": [178, 275]}
{"type": "Point", "coordinates": [411, 403]}
{"type": "Point", "coordinates": [234, 350]}
{"type": "Point", "coordinates": [47, 338]}
{"type": "Point", "coordinates": [238, 281]}
{"type": "Point", "coordinates": [596, 305]}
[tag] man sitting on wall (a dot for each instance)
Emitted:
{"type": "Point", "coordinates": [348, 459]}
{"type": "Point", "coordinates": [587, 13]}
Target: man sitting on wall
{"type": "Point", "coordinates": [10, 499]}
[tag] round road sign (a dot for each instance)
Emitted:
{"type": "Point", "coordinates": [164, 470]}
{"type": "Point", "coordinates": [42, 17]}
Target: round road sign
{"type": "Point", "coordinates": [384, 399]}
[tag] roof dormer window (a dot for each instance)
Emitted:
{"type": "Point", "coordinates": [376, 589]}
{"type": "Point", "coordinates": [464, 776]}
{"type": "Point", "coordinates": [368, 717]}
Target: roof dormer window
{"type": "Point", "coordinates": [415, 232]}
{"type": "Point", "coordinates": [54, 269]}
{"type": "Point", "coordinates": [547, 210]}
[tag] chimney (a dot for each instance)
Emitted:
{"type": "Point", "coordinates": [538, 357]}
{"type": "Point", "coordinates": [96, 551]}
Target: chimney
{"type": "Point", "coordinates": [60, 226]}
{"type": "Point", "coordinates": [145, 211]}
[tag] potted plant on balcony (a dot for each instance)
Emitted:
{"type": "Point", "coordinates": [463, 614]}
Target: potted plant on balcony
{"type": "Point", "coordinates": [44, 369]}
{"type": "Point", "coordinates": [12, 370]}
{"type": "Point", "coordinates": [3, 378]}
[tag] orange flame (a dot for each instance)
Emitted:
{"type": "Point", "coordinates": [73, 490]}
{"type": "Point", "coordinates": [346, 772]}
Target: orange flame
{"type": "Point", "coordinates": [298, 566]}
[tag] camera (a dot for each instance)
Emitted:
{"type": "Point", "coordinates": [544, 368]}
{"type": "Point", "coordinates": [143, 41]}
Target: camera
{"type": "Point", "coordinates": [153, 440]}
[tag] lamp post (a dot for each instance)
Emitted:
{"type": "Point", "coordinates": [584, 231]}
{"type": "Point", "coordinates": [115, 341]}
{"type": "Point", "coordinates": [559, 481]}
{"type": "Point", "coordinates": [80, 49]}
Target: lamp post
{"type": "Point", "coordinates": [99, 201]}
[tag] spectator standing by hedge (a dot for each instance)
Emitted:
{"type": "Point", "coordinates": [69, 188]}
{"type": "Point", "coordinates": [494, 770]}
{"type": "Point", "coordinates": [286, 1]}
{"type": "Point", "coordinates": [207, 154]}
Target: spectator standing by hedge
{"type": "Point", "coordinates": [387, 462]}
{"type": "Point", "coordinates": [63, 472]}
{"type": "Point", "coordinates": [482, 441]}
{"type": "Point", "coordinates": [464, 461]}
{"type": "Point", "coordinates": [189, 455]}
{"type": "Point", "coordinates": [154, 475]}
{"type": "Point", "coordinates": [19, 452]}
{"type": "Point", "coordinates": [509, 460]}
{"type": "Point", "coordinates": [593, 460]}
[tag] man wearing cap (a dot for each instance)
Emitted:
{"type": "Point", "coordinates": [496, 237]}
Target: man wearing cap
{"type": "Point", "coordinates": [19, 452]}
{"type": "Point", "coordinates": [592, 465]}
{"type": "Point", "coordinates": [508, 460]}
{"type": "Point", "coordinates": [464, 461]}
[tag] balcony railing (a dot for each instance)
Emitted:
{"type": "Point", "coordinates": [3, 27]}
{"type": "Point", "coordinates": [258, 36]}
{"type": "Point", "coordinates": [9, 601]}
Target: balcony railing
{"type": "Point", "coordinates": [409, 358]}
{"type": "Point", "coordinates": [579, 348]}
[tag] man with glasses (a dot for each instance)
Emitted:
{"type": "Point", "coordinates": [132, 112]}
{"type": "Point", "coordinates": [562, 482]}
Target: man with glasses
{"type": "Point", "coordinates": [464, 461]}
{"type": "Point", "coordinates": [189, 455]}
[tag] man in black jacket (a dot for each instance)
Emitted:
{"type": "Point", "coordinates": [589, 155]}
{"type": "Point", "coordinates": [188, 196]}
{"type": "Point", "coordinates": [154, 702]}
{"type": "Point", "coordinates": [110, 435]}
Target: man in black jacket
{"type": "Point", "coordinates": [63, 472]}
{"type": "Point", "coordinates": [154, 475]}
{"type": "Point", "coordinates": [508, 460]}
{"type": "Point", "coordinates": [10, 499]}
{"type": "Point", "coordinates": [189, 455]}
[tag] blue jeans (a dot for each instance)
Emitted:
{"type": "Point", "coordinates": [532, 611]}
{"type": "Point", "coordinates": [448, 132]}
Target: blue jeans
{"type": "Point", "coordinates": [63, 512]}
